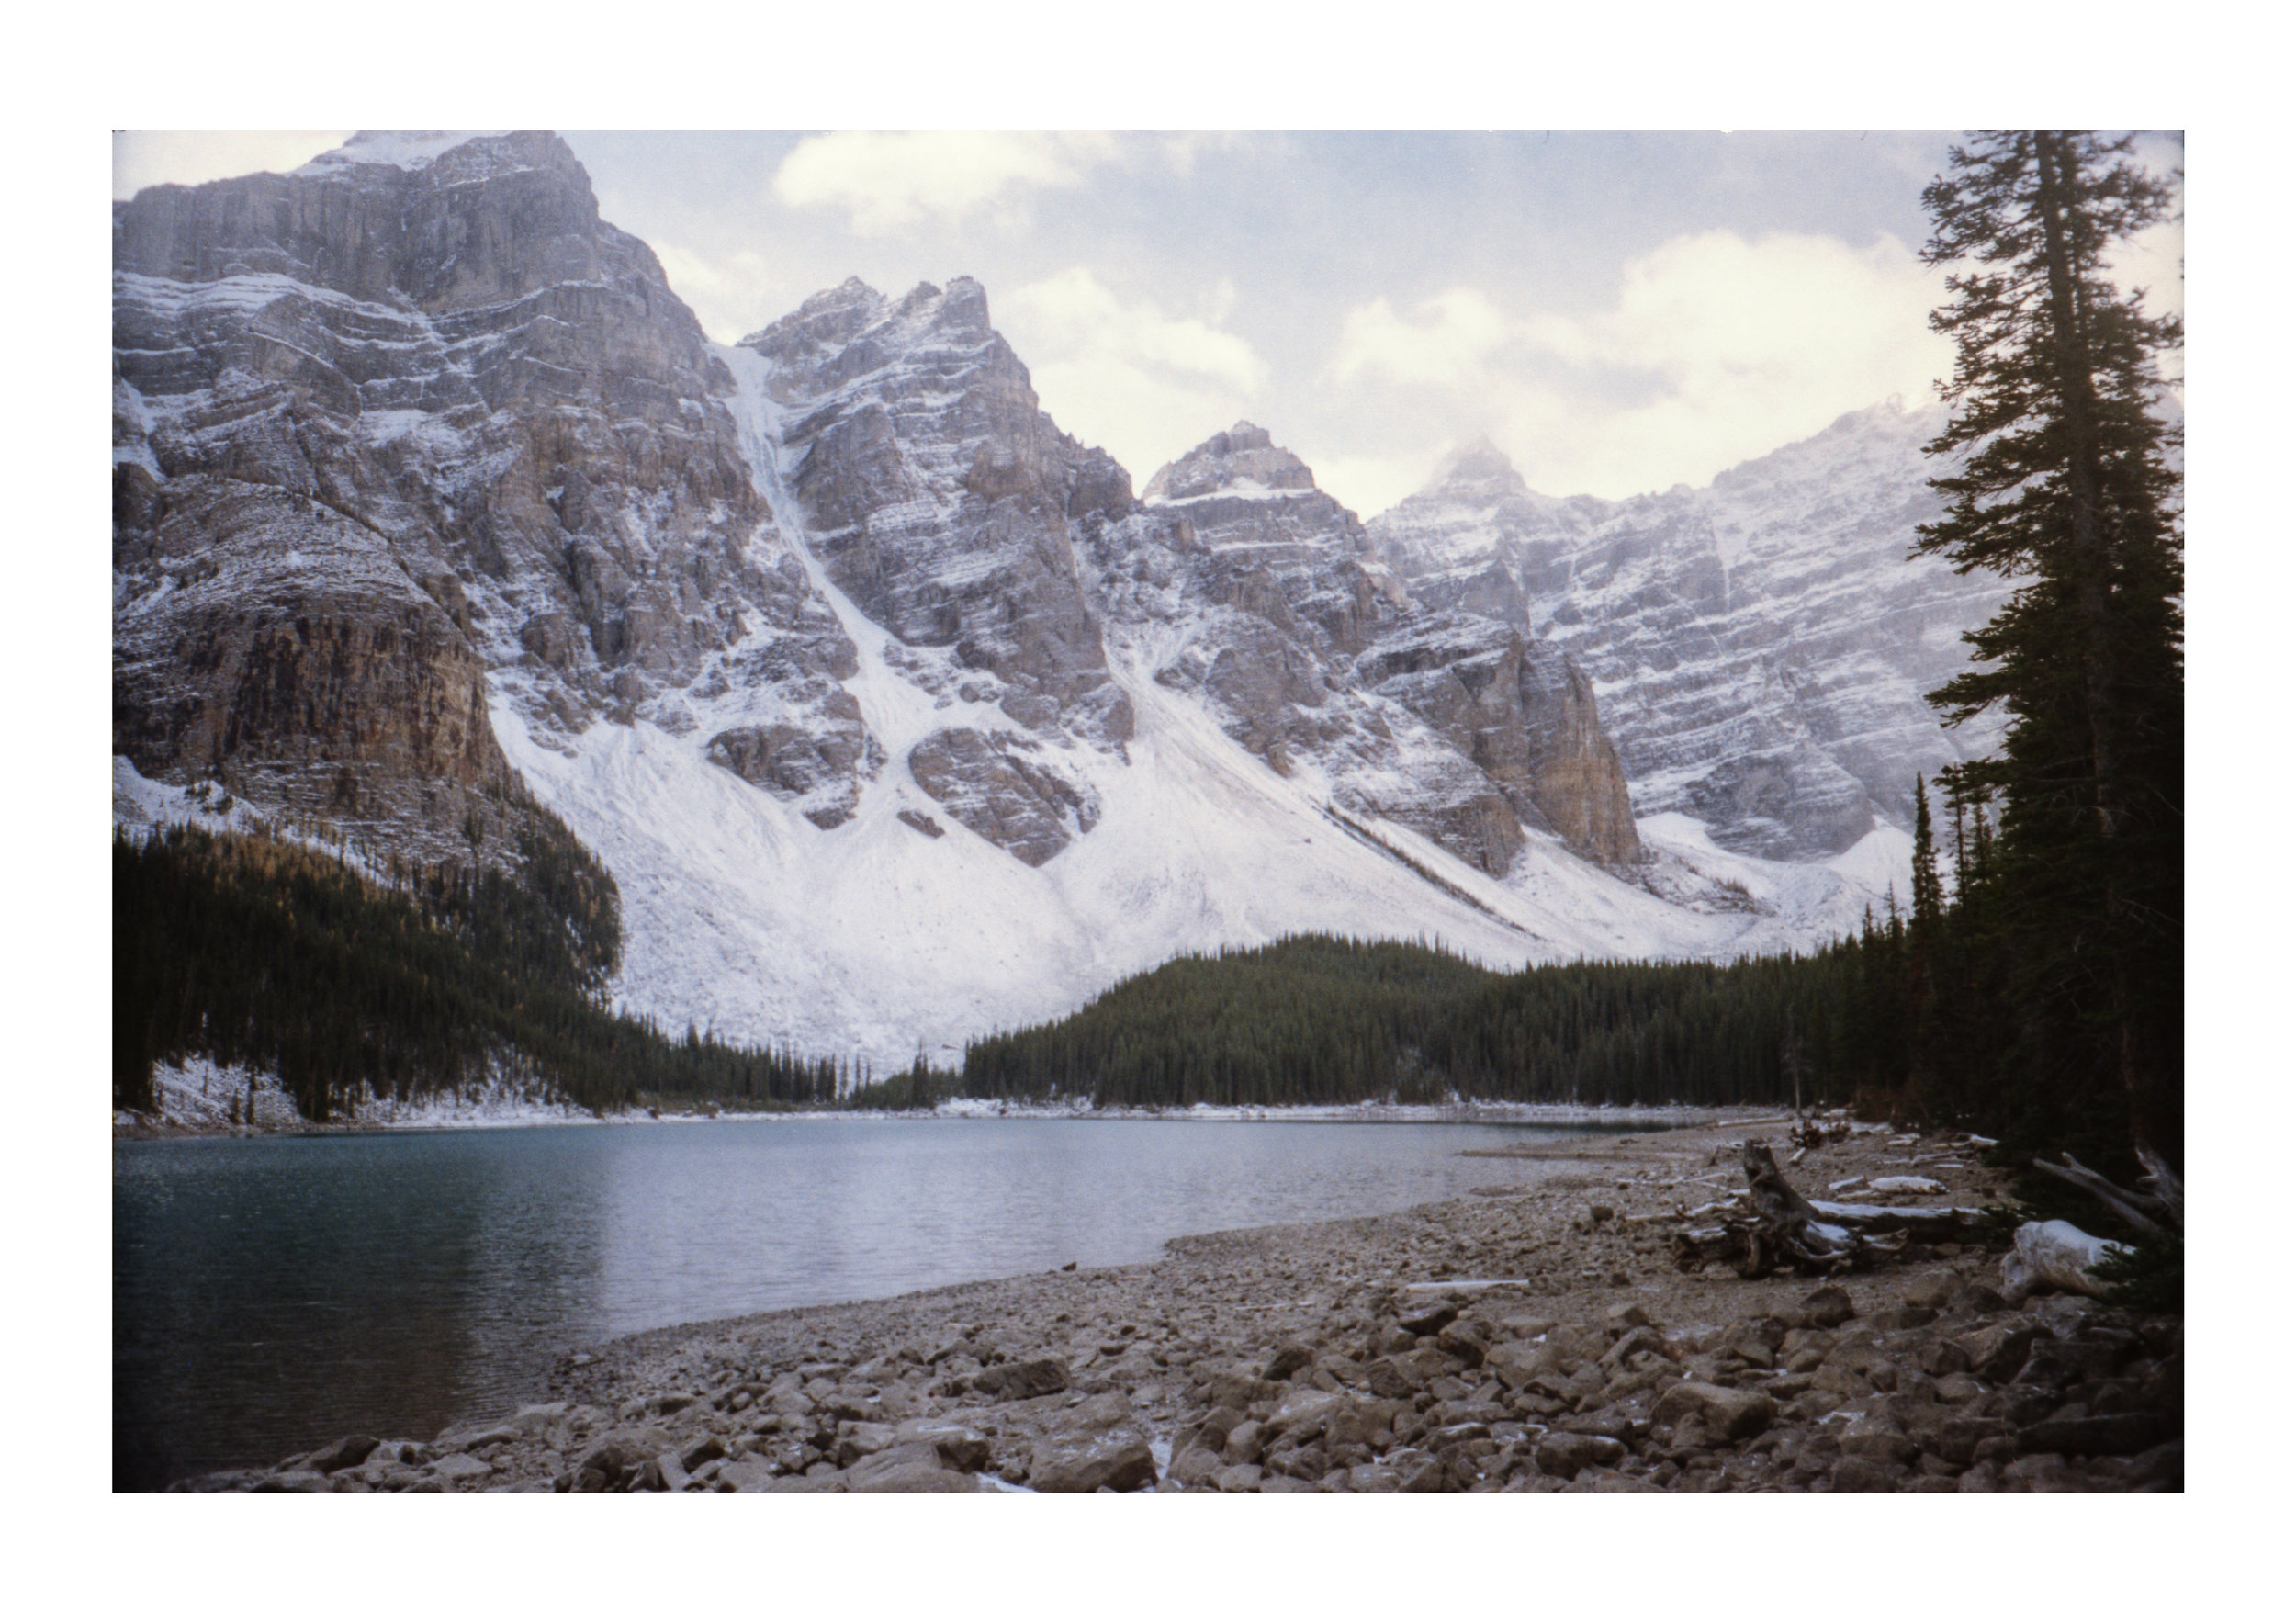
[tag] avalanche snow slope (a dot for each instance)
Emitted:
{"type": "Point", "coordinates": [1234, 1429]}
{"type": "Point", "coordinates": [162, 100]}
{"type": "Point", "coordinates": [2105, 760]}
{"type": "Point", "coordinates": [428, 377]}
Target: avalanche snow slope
{"type": "Point", "coordinates": [877, 937]}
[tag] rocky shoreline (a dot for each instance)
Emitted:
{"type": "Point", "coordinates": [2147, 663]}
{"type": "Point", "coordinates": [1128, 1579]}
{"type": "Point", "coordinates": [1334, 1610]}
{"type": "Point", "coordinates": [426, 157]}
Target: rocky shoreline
{"type": "Point", "coordinates": [1533, 1336]}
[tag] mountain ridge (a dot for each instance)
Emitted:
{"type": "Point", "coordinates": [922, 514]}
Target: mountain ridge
{"type": "Point", "coordinates": [896, 717]}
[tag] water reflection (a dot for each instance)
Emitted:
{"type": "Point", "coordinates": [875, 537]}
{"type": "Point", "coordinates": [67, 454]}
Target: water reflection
{"type": "Point", "coordinates": [269, 1295]}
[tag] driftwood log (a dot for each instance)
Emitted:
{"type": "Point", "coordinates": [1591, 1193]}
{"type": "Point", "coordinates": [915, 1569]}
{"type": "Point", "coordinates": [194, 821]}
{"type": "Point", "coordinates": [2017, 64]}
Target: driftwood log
{"type": "Point", "coordinates": [1778, 1227]}
{"type": "Point", "coordinates": [2057, 1256]}
{"type": "Point", "coordinates": [2054, 1256]}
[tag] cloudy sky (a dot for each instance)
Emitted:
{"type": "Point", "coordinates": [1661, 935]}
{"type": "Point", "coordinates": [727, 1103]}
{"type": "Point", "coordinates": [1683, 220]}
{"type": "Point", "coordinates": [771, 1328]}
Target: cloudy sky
{"type": "Point", "coordinates": [1618, 312]}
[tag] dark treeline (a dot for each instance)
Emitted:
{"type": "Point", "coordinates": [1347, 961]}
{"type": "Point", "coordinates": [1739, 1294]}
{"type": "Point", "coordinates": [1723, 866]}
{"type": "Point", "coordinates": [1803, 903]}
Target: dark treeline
{"type": "Point", "coordinates": [1315, 1020]}
{"type": "Point", "coordinates": [255, 951]}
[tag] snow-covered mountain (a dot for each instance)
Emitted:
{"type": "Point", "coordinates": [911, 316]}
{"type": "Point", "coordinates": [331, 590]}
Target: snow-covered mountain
{"type": "Point", "coordinates": [1760, 647]}
{"type": "Point", "coordinates": [897, 718]}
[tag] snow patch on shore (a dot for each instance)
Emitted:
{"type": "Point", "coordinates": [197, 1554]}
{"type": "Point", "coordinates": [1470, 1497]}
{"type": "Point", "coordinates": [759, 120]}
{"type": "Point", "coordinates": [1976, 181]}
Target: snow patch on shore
{"type": "Point", "coordinates": [202, 1096]}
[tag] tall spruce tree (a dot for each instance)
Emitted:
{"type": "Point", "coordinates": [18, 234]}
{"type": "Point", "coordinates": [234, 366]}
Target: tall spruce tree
{"type": "Point", "coordinates": [2064, 485]}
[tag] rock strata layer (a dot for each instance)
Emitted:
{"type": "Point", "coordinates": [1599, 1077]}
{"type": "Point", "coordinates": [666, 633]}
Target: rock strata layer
{"type": "Point", "coordinates": [386, 425]}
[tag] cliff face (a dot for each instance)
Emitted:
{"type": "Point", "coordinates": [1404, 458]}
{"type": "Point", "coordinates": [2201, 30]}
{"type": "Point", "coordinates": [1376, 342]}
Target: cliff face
{"type": "Point", "coordinates": [1760, 647]}
{"type": "Point", "coordinates": [395, 420]}
{"type": "Point", "coordinates": [1312, 652]}
{"type": "Point", "coordinates": [944, 503]}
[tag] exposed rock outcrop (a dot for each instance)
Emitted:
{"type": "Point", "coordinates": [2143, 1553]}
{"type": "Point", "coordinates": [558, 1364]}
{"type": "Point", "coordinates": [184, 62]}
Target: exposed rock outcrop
{"type": "Point", "coordinates": [1761, 647]}
{"type": "Point", "coordinates": [1310, 651]}
{"type": "Point", "coordinates": [406, 416]}
{"type": "Point", "coordinates": [943, 502]}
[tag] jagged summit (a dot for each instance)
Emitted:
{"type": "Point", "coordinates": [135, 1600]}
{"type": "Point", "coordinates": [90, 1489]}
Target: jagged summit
{"type": "Point", "coordinates": [1474, 462]}
{"type": "Point", "coordinates": [396, 149]}
{"type": "Point", "coordinates": [1763, 644]}
{"type": "Point", "coordinates": [1245, 461]}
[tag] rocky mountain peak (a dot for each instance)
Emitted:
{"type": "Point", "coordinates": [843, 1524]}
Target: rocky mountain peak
{"type": "Point", "coordinates": [1476, 462]}
{"type": "Point", "coordinates": [406, 149]}
{"type": "Point", "coordinates": [447, 222]}
{"type": "Point", "coordinates": [1245, 461]}
{"type": "Point", "coordinates": [1761, 643]}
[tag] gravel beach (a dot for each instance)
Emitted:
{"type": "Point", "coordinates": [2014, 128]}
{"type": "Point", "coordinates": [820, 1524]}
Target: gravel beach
{"type": "Point", "coordinates": [1536, 1335]}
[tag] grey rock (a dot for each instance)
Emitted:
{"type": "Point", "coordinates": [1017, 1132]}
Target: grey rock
{"type": "Point", "coordinates": [1826, 1308]}
{"type": "Point", "coordinates": [1022, 1377]}
{"type": "Point", "coordinates": [1802, 716]}
{"type": "Point", "coordinates": [1098, 1446]}
{"type": "Point", "coordinates": [958, 1446]}
{"type": "Point", "coordinates": [1727, 1411]}
{"type": "Point", "coordinates": [2093, 1434]}
{"type": "Point", "coordinates": [913, 1468]}
{"type": "Point", "coordinates": [1287, 1362]}
{"type": "Point", "coordinates": [1857, 1473]}
{"type": "Point", "coordinates": [341, 1454]}
{"type": "Point", "coordinates": [1564, 1454]}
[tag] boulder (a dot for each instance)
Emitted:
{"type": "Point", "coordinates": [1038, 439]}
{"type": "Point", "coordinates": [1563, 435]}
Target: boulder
{"type": "Point", "coordinates": [1877, 1437]}
{"type": "Point", "coordinates": [1288, 1360]}
{"type": "Point", "coordinates": [1023, 1377]}
{"type": "Point", "coordinates": [1428, 1318]}
{"type": "Point", "coordinates": [747, 1476]}
{"type": "Point", "coordinates": [1392, 1378]}
{"type": "Point", "coordinates": [1857, 1473]}
{"type": "Point", "coordinates": [959, 1447]}
{"type": "Point", "coordinates": [1195, 1467]}
{"type": "Point", "coordinates": [340, 1455]}
{"type": "Point", "coordinates": [1301, 1416]}
{"type": "Point", "coordinates": [1512, 1362]}
{"type": "Point", "coordinates": [1725, 1412]}
{"type": "Point", "coordinates": [2092, 1436]}
{"type": "Point", "coordinates": [1461, 1341]}
{"type": "Point", "coordinates": [1825, 1308]}
{"type": "Point", "coordinates": [1098, 1447]}
{"type": "Point", "coordinates": [911, 1468]}
{"type": "Point", "coordinates": [1996, 1351]}
{"type": "Point", "coordinates": [1564, 1454]}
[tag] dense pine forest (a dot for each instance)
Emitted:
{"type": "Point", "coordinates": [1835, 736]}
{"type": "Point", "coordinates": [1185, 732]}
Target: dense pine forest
{"type": "Point", "coordinates": [256, 952]}
{"type": "Point", "coordinates": [1319, 1020]}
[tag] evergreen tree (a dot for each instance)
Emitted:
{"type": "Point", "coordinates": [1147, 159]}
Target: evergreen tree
{"type": "Point", "coordinates": [2065, 487]}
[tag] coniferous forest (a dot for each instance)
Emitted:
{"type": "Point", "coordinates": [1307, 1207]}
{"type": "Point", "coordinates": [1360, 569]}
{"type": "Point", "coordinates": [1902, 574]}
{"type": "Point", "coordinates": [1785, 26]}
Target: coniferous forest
{"type": "Point", "coordinates": [256, 952]}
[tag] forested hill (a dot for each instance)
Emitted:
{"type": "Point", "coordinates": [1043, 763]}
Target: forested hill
{"type": "Point", "coordinates": [252, 950]}
{"type": "Point", "coordinates": [1314, 1020]}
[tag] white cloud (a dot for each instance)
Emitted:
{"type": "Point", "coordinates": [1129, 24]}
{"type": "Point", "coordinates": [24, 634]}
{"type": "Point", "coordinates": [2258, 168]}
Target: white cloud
{"type": "Point", "coordinates": [190, 157]}
{"type": "Point", "coordinates": [1717, 348]}
{"type": "Point", "coordinates": [888, 181]}
{"type": "Point", "coordinates": [1449, 339]}
{"type": "Point", "coordinates": [732, 295]}
{"type": "Point", "coordinates": [1368, 486]}
{"type": "Point", "coordinates": [1127, 376]}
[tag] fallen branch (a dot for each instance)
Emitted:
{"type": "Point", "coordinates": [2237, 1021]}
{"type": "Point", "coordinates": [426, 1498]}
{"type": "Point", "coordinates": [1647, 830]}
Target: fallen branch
{"type": "Point", "coordinates": [2163, 1185]}
{"type": "Point", "coordinates": [2131, 1208]}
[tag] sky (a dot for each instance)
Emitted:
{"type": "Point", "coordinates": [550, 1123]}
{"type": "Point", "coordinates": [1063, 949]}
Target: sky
{"type": "Point", "coordinates": [1618, 312]}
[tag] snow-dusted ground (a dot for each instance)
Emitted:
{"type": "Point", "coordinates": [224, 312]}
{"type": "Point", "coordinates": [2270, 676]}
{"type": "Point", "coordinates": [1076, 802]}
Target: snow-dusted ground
{"type": "Point", "coordinates": [200, 1096]}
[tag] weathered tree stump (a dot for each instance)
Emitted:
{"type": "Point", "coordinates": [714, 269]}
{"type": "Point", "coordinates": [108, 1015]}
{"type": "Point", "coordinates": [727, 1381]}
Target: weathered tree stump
{"type": "Point", "coordinates": [1785, 1230]}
